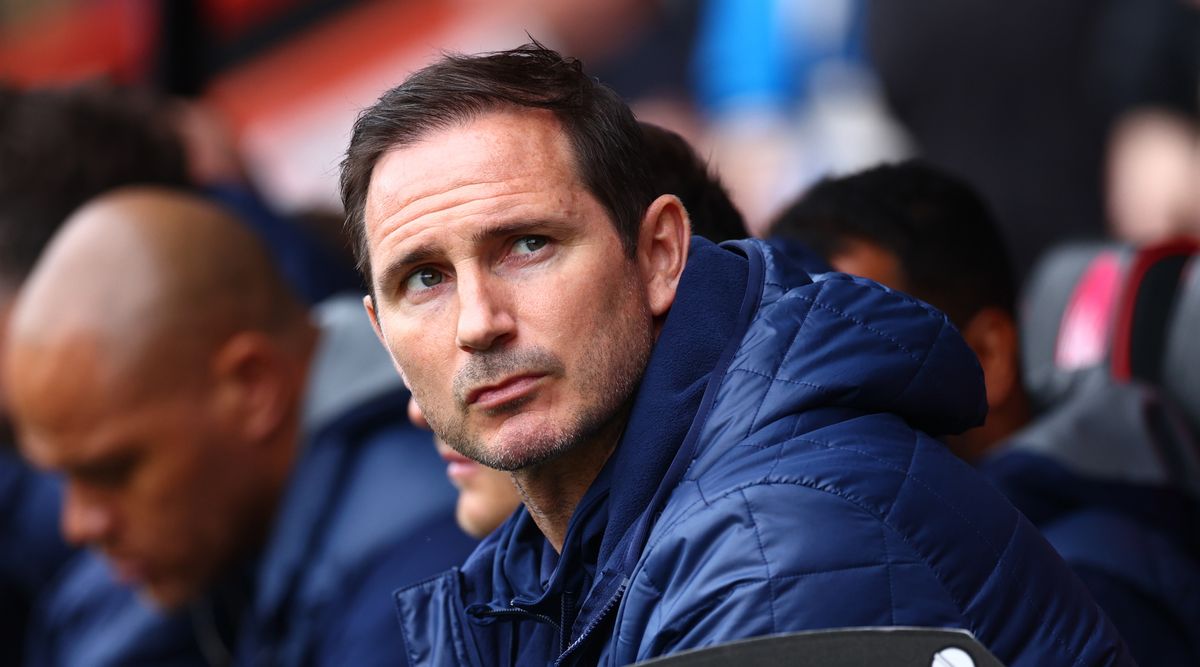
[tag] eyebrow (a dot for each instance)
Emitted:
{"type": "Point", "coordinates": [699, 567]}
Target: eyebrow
{"type": "Point", "coordinates": [109, 467]}
{"type": "Point", "coordinates": [404, 264]}
{"type": "Point", "coordinates": [399, 269]}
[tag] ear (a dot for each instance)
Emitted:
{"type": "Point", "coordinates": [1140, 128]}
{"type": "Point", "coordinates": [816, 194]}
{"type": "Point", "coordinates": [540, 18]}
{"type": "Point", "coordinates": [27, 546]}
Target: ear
{"type": "Point", "coordinates": [992, 335]}
{"type": "Point", "coordinates": [369, 305]}
{"type": "Point", "coordinates": [256, 386]}
{"type": "Point", "coordinates": [662, 251]}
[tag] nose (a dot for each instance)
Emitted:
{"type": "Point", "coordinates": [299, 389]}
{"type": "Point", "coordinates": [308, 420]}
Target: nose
{"type": "Point", "coordinates": [485, 318]}
{"type": "Point", "coordinates": [84, 520]}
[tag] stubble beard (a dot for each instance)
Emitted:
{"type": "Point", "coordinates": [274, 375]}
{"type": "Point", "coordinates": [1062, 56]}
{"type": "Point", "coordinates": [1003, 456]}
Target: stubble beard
{"type": "Point", "coordinates": [616, 368]}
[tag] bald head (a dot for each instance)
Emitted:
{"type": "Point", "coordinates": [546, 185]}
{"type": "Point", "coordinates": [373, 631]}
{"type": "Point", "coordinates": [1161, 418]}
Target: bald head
{"type": "Point", "coordinates": [157, 361]}
{"type": "Point", "coordinates": [154, 278]}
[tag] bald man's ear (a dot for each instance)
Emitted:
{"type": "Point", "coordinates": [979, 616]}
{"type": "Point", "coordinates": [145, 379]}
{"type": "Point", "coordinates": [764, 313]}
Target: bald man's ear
{"type": "Point", "coordinates": [256, 386]}
{"type": "Point", "coordinates": [662, 251]}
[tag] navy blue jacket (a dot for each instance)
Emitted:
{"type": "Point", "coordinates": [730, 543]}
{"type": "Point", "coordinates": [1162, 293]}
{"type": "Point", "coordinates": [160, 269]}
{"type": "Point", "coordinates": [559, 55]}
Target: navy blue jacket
{"type": "Point", "coordinates": [367, 508]}
{"type": "Point", "coordinates": [772, 478]}
{"type": "Point", "coordinates": [31, 547]}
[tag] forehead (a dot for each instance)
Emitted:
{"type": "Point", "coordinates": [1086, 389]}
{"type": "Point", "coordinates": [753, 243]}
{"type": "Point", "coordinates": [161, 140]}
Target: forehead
{"type": "Point", "coordinates": [860, 257]}
{"type": "Point", "coordinates": [75, 405]}
{"type": "Point", "coordinates": [497, 160]}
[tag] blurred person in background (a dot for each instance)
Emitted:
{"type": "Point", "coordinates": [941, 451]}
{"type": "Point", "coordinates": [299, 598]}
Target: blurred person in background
{"type": "Point", "coordinates": [711, 443]}
{"type": "Point", "coordinates": [1154, 176]}
{"type": "Point", "coordinates": [58, 148]}
{"type": "Point", "coordinates": [678, 169]}
{"type": "Point", "coordinates": [238, 460]}
{"type": "Point", "coordinates": [917, 229]}
{"type": "Point", "coordinates": [913, 228]}
{"type": "Point", "coordinates": [487, 497]}
{"type": "Point", "coordinates": [1020, 100]}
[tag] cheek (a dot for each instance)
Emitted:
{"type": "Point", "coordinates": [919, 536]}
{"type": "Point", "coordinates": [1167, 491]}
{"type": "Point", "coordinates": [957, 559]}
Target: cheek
{"type": "Point", "coordinates": [422, 352]}
{"type": "Point", "coordinates": [579, 304]}
{"type": "Point", "coordinates": [186, 488]}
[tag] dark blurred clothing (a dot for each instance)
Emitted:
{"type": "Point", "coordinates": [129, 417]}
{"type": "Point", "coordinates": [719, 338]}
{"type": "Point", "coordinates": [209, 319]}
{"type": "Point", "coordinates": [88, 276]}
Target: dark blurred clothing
{"type": "Point", "coordinates": [367, 509]}
{"type": "Point", "coordinates": [1019, 97]}
{"type": "Point", "coordinates": [314, 271]}
{"type": "Point", "coordinates": [31, 548]}
{"type": "Point", "coordinates": [1092, 476]}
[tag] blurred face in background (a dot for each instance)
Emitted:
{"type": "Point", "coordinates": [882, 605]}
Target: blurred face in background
{"type": "Point", "coordinates": [148, 474]}
{"type": "Point", "coordinates": [486, 497]}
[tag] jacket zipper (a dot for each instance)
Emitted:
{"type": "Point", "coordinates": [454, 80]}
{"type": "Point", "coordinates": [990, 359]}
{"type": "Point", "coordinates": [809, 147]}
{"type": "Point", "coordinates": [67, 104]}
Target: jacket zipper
{"type": "Point", "coordinates": [516, 611]}
{"type": "Point", "coordinates": [612, 602]}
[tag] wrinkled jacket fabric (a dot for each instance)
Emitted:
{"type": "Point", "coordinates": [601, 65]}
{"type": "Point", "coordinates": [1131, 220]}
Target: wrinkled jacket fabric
{"type": "Point", "coordinates": [367, 508]}
{"type": "Point", "coordinates": [771, 478]}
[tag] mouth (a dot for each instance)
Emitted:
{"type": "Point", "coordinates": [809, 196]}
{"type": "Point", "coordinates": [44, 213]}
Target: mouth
{"type": "Point", "coordinates": [490, 397]}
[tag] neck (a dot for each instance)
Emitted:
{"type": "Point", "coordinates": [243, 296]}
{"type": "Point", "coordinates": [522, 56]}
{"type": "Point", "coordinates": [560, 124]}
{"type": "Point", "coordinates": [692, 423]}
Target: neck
{"type": "Point", "coordinates": [553, 489]}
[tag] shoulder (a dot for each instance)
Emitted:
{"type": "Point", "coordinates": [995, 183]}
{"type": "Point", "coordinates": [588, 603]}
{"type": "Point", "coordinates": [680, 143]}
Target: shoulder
{"type": "Point", "coordinates": [834, 529]}
{"type": "Point", "coordinates": [87, 618]}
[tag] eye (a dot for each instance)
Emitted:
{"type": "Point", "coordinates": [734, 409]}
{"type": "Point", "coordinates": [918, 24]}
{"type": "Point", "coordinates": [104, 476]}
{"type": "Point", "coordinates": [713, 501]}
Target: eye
{"type": "Point", "coordinates": [111, 473]}
{"type": "Point", "coordinates": [527, 245]}
{"type": "Point", "coordinates": [424, 278]}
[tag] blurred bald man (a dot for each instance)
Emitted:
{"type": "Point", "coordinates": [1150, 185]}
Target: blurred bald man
{"type": "Point", "coordinates": [229, 456]}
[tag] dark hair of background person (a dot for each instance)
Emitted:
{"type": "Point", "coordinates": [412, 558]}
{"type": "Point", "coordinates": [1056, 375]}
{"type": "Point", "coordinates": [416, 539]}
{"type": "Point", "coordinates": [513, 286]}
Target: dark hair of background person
{"type": "Point", "coordinates": [60, 147]}
{"type": "Point", "coordinates": [607, 141]}
{"type": "Point", "coordinates": [947, 242]}
{"type": "Point", "coordinates": [677, 169]}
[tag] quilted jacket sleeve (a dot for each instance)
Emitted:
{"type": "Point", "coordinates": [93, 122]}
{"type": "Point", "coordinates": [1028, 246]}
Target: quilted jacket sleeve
{"type": "Point", "coordinates": [841, 570]}
{"type": "Point", "coordinates": [820, 558]}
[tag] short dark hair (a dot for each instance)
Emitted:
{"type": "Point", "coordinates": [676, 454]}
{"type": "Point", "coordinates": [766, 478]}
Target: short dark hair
{"type": "Point", "coordinates": [60, 147]}
{"type": "Point", "coordinates": [606, 139]}
{"type": "Point", "coordinates": [678, 170]}
{"type": "Point", "coordinates": [947, 242]}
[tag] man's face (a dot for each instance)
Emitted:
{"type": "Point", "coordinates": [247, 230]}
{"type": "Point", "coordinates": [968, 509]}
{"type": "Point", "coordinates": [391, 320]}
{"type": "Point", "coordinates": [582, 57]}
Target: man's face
{"type": "Point", "coordinates": [149, 480]}
{"type": "Point", "coordinates": [502, 290]}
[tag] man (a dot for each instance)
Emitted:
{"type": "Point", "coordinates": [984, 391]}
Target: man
{"type": "Point", "coordinates": [58, 148]}
{"type": "Point", "coordinates": [704, 454]}
{"type": "Point", "coordinates": [230, 458]}
{"type": "Point", "coordinates": [915, 228]}
{"type": "Point", "coordinates": [486, 497]}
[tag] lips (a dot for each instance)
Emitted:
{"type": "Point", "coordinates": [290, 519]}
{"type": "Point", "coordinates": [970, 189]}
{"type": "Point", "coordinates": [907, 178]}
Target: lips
{"type": "Point", "coordinates": [509, 389]}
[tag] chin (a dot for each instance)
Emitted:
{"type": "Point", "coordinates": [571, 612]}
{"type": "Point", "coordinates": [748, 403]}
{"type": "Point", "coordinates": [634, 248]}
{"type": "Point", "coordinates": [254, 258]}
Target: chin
{"type": "Point", "coordinates": [526, 440]}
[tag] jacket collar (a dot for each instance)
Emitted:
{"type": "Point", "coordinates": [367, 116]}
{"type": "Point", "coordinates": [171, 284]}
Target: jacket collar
{"type": "Point", "coordinates": [714, 301]}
